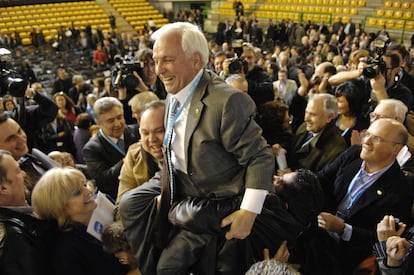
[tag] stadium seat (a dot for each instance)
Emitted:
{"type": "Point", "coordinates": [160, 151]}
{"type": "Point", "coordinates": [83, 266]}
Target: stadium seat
{"type": "Point", "coordinates": [390, 23]}
{"type": "Point", "coordinates": [398, 14]}
{"type": "Point", "coordinates": [389, 13]}
{"type": "Point", "coordinates": [399, 24]}
{"type": "Point", "coordinates": [406, 5]}
{"type": "Point", "coordinates": [380, 12]}
{"type": "Point", "coordinates": [407, 14]}
{"type": "Point", "coordinates": [396, 4]}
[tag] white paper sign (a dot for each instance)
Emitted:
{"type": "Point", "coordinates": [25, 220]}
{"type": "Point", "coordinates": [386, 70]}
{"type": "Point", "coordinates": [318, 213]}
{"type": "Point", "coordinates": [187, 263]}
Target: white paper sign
{"type": "Point", "coordinates": [102, 216]}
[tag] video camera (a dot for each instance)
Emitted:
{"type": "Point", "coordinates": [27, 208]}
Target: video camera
{"type": "Point", "coordinates": [127, 65]}
{"type": "Point", "coordinates": [10, 80]}
{"type": "Point", "coordinates": [238, 65]}
{"type": "Point", "coordinates": [376, 65]}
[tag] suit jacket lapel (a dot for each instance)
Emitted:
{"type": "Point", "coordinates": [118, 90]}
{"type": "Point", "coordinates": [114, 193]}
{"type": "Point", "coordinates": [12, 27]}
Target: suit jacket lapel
{"type": "Point", "coordinates": [348, 174]}
{"type": "Point", "coordinates": [196, 108]}
{"type": "Point", "coordinates": [375, 191]}
{"type": "Point", "coordinates": [107, 145]}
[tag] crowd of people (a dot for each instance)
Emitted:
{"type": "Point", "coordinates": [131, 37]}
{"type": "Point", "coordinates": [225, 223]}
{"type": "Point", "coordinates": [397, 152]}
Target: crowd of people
{"type": "Point", "coordinates": [293, 140]}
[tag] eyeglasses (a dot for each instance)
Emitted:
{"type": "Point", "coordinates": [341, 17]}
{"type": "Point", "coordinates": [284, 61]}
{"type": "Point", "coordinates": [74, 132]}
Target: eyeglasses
{"type": "Point", "coordinates": [375, 139]}
{"type": "Point", "coordinates": [375, 116]}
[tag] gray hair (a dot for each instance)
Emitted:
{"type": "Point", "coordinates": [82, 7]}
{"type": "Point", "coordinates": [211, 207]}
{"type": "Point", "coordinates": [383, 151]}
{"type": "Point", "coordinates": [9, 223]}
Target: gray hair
{"type": "Point", "coordinates": [104, 105]}
{"type": "Point", "coordinates": [330, 103]}
{"type": "Point", "coordinates": [234, 78]}
{"type": "Point", "coordinates": [399, 108]}
{"type": "Point", "coordinates": [192, 39]}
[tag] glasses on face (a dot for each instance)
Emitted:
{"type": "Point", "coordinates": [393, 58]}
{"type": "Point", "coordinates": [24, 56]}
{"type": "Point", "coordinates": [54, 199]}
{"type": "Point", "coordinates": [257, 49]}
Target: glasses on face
{"type": "Point", "coordinates": [375, 139]}
{"type": "Point", "coordinates": [375, 116]}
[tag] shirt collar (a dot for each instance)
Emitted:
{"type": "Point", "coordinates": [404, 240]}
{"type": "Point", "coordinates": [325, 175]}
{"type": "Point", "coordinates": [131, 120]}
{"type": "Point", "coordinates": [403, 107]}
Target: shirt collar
{"type": "Point", "coordinates": [376, 172]}
{"type": "Point", "coordinates": [182, 95]}
{"type": "Point", "coordinates": [115, 140]}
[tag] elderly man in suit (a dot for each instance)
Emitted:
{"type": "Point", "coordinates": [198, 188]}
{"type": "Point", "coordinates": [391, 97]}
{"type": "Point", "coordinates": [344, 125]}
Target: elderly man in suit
{"type": "Point", "coordinates": [317, 141]}
{"type": "Point", "coordinates": [218, 175]}
{"type": "Point", "coordinates": [362, 185]}
{"type": "Point", "coordinates": [105, 152]}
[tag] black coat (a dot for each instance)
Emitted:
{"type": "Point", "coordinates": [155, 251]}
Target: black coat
{"type": "Point", "coordinates": [27, 244]}
{"type": "Point", "coordinates": [77, 252]}
{"type": "Point", "coordinates": [104, 161]}
{"type": "Point", "coordinates": [389, 195]}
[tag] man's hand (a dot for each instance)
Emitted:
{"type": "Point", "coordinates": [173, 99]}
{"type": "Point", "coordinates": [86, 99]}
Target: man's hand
{"type": "Point", "coordinates": [386, 228]}
{"type": "Point", "coordinates": [241, 224]}
{"type": "Point", "coordinates": [378, 87]}
{"type": "Point", "coordinates": [331, 223]}
{"type": "Point", "coordinates": [282, 254]}
{"type": "Point", "coordinates": [225, 65]}
{"type": "Point", "coordinates": [397, 248]}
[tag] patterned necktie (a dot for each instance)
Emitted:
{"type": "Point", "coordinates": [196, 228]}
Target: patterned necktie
{"type": "Point", "coordinates": [169, 165]}
{"type": "Point", "coordinates": [121, 144]}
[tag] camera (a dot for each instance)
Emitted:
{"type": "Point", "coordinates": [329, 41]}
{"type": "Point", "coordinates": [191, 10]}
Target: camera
{"type": "Point", "coordinates": [10, 80]}
{"type": "Point", "coordinates": [376, 65]}
{"type": "Point", "coordinates": [237, 66]}
{"type": "Point", "coordinates": [127, 65]}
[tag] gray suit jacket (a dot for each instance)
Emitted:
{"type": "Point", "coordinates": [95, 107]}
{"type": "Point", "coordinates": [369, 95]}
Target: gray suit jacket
{"type": "Point", "coordinates": [226, 152]}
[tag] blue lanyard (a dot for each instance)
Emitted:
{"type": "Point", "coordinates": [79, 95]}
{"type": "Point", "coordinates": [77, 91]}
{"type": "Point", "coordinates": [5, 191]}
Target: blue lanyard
{"type": "Point", "coordinates": [171, 122]}
{"type": "Point", "coordinates": [112, 143]}
{"type": "Point", "coordinates": [352, 198]}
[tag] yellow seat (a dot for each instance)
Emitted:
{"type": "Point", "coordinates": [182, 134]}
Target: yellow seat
{"type": "Point", "coordinates": [380, 22]}
{"type": "Point", "coordinates": [399, 24]}
{"type": "Point", "coordinates": [390, 23]}
{"type": "Point", "coordinates": [396, 4]}
{"type": "Point", "coordinates": [398, 14]}
{"type": "Point", "coordinates": [407, 14]}
{"type": "Point", "coordinates": [389, 13]}
{"type": "Point", "coordinates": [361, 3]}
{"type": "Point", "coordinates": [380, 12]}
{"type": "Point", "coordinates": [409, 25]}
{"type": "Point", "coordinates": [354, 11]}
{"type": "Point", "coordinates": [406, 5]}
{"type": "Point", "coordinates": [26, 41]}
{"type": "Point", "coordinates": [388, 4]}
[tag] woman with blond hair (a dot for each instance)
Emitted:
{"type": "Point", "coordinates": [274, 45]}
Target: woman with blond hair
{"type": "Point", "coordinates": [61, 195]}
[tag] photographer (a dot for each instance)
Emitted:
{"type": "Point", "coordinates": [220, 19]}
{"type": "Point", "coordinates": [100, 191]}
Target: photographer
{"type": "Point", "coordinates": [148, 74]}
{"type": "Point", "coordinates": [260, 88]}
{"type": "Point", "coordinates": [30, 118]}
{"type": "Point", "coordinates": [386, 85]}
{"type": "Point", "coordinates": [128, 83]}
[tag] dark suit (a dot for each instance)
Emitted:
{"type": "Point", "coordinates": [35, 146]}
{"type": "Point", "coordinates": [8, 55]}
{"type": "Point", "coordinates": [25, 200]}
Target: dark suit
{"type": "Point", "coordinates": [321, 150]}
{"type": "Point", "coordinates": [389, 195]}
{"type": "Point", "coordinates": [104, 161]}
